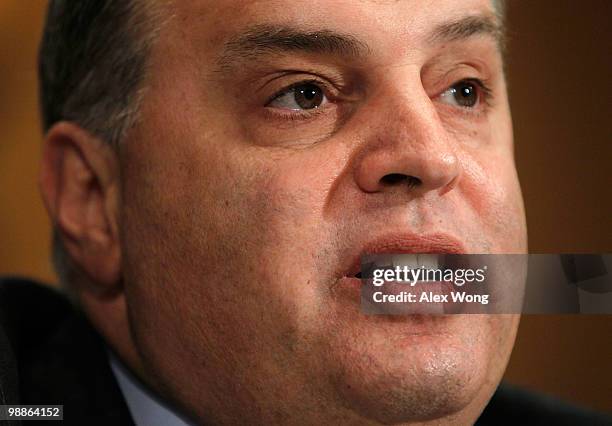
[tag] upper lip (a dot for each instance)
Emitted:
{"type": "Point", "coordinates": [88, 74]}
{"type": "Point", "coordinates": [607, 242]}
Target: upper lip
{"type": "Point", "coordinates": [406, 243]}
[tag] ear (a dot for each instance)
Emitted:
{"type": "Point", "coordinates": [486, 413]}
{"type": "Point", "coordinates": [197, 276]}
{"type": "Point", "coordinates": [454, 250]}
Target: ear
{"type": "Point", "coordinates": [79, 184]}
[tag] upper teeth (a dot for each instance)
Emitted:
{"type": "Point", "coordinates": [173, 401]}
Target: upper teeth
{"type": "Point", "coordinates": [415, 261]}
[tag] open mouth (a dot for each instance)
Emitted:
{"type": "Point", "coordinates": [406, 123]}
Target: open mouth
{"type": "Point", "coordinates": [420, 269]}
{"type": "Point", "coordinates": [413, 267]}
{"type": "Point", "coordinates": [405, 250]}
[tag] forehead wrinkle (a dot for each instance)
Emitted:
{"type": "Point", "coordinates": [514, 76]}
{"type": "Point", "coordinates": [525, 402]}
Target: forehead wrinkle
{"type": "Point", "coordinates": [261, 40]}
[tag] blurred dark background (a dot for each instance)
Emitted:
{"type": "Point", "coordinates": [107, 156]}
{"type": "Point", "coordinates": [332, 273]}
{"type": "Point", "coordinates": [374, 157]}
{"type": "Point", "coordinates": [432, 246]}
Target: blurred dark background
{"type": "Point", "coordinates": [559, 72]}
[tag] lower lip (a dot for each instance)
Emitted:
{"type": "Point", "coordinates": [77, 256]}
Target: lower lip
{"type": "Point", "coordinates": [352, 287]}
{"type": "Point", "coordinates": [416, 327]}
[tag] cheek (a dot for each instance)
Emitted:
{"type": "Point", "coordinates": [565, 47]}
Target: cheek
{"type": "Point", "coordinates": [491, 187]}
{"type": "Point", "coordinates": [220, 224]}
{"type": "Point", "coordinates": [222, 238]}
{"type": "Point", "coordinates": [286, 200]}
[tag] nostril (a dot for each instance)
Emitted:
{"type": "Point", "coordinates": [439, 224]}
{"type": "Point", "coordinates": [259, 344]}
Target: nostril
{"type": "Point", "coordinates": [393, 178]}
{"type": "Point", "coordinates": [397, 178]}
{"type": "Point", "coordinates": [414, 181]}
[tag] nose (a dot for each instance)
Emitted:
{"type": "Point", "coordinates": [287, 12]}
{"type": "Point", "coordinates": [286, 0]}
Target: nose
{"type": "Point", "coordinates": [409, 151]}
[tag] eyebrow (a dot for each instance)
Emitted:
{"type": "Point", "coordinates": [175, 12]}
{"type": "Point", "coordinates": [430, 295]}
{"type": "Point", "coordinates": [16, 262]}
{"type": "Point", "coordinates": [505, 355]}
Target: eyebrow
{"type": "Point", "coordinates": [469, 26]}
{"type": "Point", "coordinates": [269, 39]}
{"type": "Point", "coordinates": [261, 40]}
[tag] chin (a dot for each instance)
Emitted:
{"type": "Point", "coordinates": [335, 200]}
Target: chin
{"type": "Point", "coordinates": [395, 379]}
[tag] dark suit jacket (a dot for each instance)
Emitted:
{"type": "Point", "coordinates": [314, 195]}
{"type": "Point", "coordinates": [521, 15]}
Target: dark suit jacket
{"type": "Point", "coordinates": [62, 360]}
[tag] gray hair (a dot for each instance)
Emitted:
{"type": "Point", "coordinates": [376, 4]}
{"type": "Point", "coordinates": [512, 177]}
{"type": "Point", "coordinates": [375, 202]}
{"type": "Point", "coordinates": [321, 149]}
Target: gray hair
{"type": "Point", "coordinates": [499, 6]}
{"type": "Point", "coordinates": [92, 62]}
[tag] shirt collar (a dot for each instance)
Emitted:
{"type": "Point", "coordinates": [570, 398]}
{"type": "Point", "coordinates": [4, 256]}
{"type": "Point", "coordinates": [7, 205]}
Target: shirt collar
{"type": "Point", "coordinates": [146, 408]}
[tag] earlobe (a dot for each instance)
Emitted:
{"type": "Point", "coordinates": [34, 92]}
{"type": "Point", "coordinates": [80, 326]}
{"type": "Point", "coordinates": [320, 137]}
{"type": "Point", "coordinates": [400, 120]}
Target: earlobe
{"type": "Point", "coordinates": [78, 181]}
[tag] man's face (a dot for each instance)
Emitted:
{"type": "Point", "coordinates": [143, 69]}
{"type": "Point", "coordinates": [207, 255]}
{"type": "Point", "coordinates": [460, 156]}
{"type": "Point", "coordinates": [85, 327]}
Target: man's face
{"type": "Point", "coordinates": [280, 140]}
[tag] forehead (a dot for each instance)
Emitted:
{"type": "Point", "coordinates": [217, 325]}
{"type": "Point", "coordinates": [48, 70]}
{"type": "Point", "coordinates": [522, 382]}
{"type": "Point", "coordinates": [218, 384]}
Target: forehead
{"type": "Point", "coordinates": [212, 22]}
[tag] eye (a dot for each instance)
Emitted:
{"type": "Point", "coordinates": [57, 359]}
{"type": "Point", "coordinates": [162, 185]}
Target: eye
{"type": "Point", "coordinates": [303, 96]}
{"type": "Point", "coordinates": [465, 93]}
